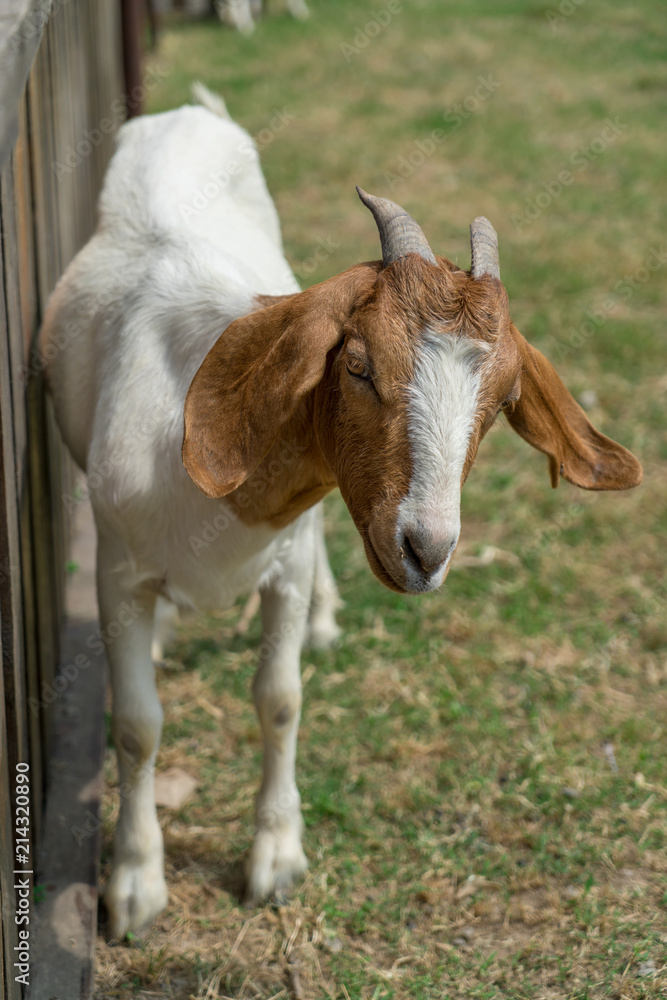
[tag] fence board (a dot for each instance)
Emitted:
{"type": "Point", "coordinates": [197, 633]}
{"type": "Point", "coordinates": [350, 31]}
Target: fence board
{"type": "Point", "coordinates": [12, 733]}
{"type": "Point", "coordinates": [25, 222]}
{"type": "Point", "coordinates": [40, 578]}
{"type": "Point", "coordinates": [47, 456]}
{"type": "Point", "coordinates": [40, 113]}
{"type": "Point", "coordinates": [21, 311]}
{"type": "Point", "coordinates": [11, 582]}
{"type": "Point", "coordinates": [51, 167]}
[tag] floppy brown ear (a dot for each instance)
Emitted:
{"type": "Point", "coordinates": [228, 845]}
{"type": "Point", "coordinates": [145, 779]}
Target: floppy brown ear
{"type": "Point", "coordinates": [547, 417]}
{"type": "Point", "coordinates": [256, 374]}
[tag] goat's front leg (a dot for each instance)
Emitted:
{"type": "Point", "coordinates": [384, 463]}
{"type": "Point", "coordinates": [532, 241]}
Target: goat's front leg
{"type": "Point", "coordinates": [277, 857]}
{"type": "Point", "coordinates": [136, 891]}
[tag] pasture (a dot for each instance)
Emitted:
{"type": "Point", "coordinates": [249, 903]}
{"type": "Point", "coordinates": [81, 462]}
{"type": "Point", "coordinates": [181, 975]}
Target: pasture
{"type": "Point", "coordinates": [482, 769]}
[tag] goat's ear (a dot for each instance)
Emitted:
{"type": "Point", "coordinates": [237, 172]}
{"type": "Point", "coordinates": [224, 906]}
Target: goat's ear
{"type": "Point", "coordinates": [547, 417]}
{"type": "Point", "coordinates": [256, 374]}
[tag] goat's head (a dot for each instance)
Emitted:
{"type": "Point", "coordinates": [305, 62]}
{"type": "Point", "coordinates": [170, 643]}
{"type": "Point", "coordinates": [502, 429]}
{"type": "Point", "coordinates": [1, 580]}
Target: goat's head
{"type": "Point", "coordinates": [405, 364]}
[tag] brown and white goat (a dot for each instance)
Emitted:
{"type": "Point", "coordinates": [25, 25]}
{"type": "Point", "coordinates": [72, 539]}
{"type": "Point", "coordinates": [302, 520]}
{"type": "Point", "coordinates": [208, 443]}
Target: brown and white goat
{"type": "Point", "coordinates": [382, 381]}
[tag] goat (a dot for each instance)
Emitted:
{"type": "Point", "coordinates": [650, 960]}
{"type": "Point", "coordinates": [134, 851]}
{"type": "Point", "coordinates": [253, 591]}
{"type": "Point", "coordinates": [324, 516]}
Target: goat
{"type": "Point", "coordinates": [241, 14]}
{"type": "Point", "coordinates": [217, 404]}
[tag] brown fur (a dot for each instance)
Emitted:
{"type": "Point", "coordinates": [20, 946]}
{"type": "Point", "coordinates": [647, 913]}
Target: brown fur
{"type": "Point", "coordinates": [274, 419]}
{"type": "Point", "coordinates": [548, 418]}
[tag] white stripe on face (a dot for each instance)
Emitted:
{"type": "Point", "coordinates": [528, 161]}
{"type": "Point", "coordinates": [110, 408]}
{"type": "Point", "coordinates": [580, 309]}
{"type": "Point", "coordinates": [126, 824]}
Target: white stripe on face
{"type": "Point", "coordinates": [441, 416]}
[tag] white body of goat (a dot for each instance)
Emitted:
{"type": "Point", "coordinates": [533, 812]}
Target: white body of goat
{"type": "Point", "coordinates": [382, 380]}
{"type": "Point", "coordinates": [132, 320]}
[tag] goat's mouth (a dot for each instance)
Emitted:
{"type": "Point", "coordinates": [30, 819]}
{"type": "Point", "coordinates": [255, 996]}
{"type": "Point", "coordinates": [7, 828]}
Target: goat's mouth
{"type": "Point", "coordinates": [379, 568]}
{"type": "Point", "coordinates": [411, 583]}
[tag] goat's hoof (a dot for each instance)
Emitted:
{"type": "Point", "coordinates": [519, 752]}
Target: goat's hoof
{"type": "Point", "coordinates": [133, 897]}
{"type": "Point", "coordinates": [276, 862]}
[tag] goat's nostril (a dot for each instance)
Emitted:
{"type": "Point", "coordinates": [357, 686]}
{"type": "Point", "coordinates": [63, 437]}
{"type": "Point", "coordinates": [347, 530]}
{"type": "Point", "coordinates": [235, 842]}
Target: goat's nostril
{"type": "Point", "coordinates": [408, 552]}
{"type": "Point", "coordinates": [424, 554]}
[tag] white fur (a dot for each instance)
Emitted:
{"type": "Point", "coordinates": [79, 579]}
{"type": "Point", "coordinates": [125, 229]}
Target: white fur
{"type": "Point", "coordinates": [441, 414]}
{"type": "Point", "coordinates": [187, 237]}
{"type": "Point", "coordinates": [240, 13]}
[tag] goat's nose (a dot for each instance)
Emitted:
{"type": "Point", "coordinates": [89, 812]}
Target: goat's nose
{"type": "Point", "coordinates": [426, 551]}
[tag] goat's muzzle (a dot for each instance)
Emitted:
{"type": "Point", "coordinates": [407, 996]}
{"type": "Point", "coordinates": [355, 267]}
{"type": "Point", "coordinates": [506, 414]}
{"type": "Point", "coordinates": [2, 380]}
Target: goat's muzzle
{"type": "Point", "coordinates": [415, 555]}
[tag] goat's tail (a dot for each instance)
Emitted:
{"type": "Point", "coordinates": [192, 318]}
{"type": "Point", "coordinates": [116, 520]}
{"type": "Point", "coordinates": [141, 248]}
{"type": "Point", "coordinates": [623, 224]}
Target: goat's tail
{"type": "Point", "coordinates": [202, 95]}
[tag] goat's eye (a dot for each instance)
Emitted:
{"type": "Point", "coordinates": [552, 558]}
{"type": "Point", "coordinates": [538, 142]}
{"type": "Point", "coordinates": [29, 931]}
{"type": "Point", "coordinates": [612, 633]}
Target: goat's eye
{"type": "Point", "coordinates": [358, 368]}
{"type": "Point", "coordinates": [510, 401]}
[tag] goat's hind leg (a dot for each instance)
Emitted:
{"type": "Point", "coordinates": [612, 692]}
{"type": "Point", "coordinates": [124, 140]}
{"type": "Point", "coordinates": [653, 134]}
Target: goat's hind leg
{"type": "Point", "coordinates": [166, 616]}
{"type": "Point", "coordinates": [136, 891]}
{"type": "Point", "coordinates": [322, 628]}
{"type": "Point", "coordinates": [298, 9]}
{"type": "Point", "coordinates": [277, 857]}
{"type": "Point", "coordinates": [236, 13]}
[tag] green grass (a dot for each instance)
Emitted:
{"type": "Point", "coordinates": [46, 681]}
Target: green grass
{"type": "Point", "coordinates": [468, 833]}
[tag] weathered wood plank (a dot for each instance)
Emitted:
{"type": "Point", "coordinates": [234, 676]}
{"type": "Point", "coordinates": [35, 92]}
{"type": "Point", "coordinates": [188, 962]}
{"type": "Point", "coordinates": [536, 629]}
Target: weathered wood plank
{"type": "Point", "coordinates": [25, 670]}
{"type": "Point", "coordinates": [23, 321]}
{"type": "Point", "coordinates": [10, 547]}
{"type": "Point", "coordinates": [48, 568]}
{"type": "Point", "coordinates": [132, 19]}
{"type": "Point", "coordinates": [47, 491]}
{"type": "Point", "coordinates": [24, 222]}
{"type": "Point", "coordinates": [66, 139]}
{"type": "Point", "coordinates": [10, 650]}
{"type": "Point", "coordinates": [42, 176]}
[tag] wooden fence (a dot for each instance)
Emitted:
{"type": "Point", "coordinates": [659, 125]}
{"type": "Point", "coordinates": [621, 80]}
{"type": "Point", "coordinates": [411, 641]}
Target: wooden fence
{"type": "Point", "coordinates": [61, 98]}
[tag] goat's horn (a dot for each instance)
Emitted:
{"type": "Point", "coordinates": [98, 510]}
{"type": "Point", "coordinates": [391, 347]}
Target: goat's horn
{"type": "Point", "coordinates": [484, 249]}
{"type": "Point", "coordinates": [399, 233]}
